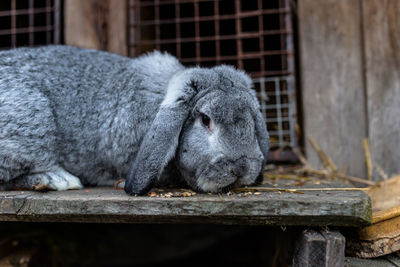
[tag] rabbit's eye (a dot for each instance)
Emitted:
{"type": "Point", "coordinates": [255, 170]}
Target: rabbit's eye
{"type": "Point", "coordinates": [205, 120]}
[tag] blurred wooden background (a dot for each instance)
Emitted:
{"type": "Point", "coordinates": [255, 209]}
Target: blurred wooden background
{"type": "Point", "coordinates": [97, 24]}
{"type": "Point", "coordinates": [350, 73]}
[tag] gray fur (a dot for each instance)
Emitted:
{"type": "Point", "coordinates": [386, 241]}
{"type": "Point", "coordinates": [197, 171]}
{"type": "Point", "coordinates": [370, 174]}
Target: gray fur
{"type": "Point", "coordinates": [66, 112]}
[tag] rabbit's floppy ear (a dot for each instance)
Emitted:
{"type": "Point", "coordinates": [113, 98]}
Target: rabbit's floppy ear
{"type": "Point", "coordinates": [161, 140]}
{"type": "Point", "coordinates": [263, 140]}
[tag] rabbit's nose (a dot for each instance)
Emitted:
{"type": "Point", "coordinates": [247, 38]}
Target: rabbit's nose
{"type": "Point", "coordinates": [240, 168]}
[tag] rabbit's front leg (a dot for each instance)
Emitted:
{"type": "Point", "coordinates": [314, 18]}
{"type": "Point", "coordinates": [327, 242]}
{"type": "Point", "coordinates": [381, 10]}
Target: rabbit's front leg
{"type": "Point", "coordinates": [59, 179]}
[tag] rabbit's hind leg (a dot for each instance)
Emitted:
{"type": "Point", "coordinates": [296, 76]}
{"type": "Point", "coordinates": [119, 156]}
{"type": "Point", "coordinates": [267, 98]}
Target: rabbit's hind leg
{"type": "Point", "coordinates": [29, 152]}
{"type": "Point", "coordinates": [58, 179]}
{"type": "Point", "coordinates": [11, 167]}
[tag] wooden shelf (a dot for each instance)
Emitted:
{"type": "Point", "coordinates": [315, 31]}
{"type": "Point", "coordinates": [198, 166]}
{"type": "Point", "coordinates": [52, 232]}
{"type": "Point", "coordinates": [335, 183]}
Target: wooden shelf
{"type": "Point", "coordinates": [107, 205]}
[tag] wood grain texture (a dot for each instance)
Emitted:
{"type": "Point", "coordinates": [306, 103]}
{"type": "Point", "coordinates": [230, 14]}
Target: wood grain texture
{"type": "Point", "coordinates": [332, 83]}
{"type": "Point", "coordinates": [117, 27]}
{"type": "Point", "coordinates": [357, 262]}
{"type": "Point", "coordinates": [383, 237]}
{"type": "Point", "coordinates": [385, 198]}
{"type": "Point", "coordinates": [376, 240]}
{"type": "Point", "coordinates": [347, 208]}
{"type": "Point", "coordinates": [319, 248]}
{"type": "Point", "coordinates": [382, 56]}
{"type": "Point", "coordinates": [97, 24]}
{"type": "Point", "coordinates": [82, 25]}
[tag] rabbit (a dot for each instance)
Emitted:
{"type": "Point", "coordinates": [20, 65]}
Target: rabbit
{"type": "Point", "coordinates": [69, 112]}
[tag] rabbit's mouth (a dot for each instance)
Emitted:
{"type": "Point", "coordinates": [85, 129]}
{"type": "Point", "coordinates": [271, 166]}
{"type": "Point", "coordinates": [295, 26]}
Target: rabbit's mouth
{"type": "Point", "coordinates": [222, 176]}
{"type": "Point", "coordinates": [212, 180]}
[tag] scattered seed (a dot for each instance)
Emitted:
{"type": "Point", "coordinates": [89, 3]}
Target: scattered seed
{"type": "Point", "coordinates": [152, 194]}
{"type": "Point", "coordinates": [117, 184]}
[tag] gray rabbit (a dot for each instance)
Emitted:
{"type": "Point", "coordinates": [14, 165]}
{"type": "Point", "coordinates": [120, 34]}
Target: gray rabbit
{"type": "Point", "coordinates": [67, 112]}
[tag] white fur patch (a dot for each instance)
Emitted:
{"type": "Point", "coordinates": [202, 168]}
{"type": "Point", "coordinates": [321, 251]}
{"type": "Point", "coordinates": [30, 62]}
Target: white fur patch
{"type": "Point", "coordinates": [58, 180]}
{"type": "Point", "coordinates": [174, 89]}
{"type": "Point", "coordinates": [207, 185]}
{"type": "Point", "coordinates": [213, 139]}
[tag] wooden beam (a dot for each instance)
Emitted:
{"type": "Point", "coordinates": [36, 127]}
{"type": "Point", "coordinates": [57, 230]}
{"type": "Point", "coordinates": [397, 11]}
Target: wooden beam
{"type": "Point", "coordinates": [82, 25]}
{"type": "Point", "coordinates": [388, 261]}
{"type": "Point", "coordinates": [383, 237]}
{"type": "Point", "coordinates": [340, 208]}
{"type": "Point", "coordinates": [117, 29]}
{"type": "Point", "coordinates": [379, 239]}
{"type": "Point", "coordinates": [319, 248]}
{"type": "Point", "coordinates": [97, 24]}
{"type": "Point", "coordinates": [332, 81]}
{"type": "Point", "coordinates": [382, 55]}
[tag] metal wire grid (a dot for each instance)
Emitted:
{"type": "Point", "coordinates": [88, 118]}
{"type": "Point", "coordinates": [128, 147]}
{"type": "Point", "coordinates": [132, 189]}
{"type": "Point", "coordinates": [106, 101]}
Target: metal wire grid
{"type": "Point", "coordinates": [276, 95]}
{"type": "Point", "coordinates": [254, 35]}
{"type": "Point", "coordinates": [29, 22]}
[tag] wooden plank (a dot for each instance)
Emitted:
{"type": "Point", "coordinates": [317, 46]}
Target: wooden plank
{"type": "Point", "coordinates": [117, 27]}
{"type": "Point", "coordinates": [357, 262]}
{"type": "Point", "coordinates": [97, 24]}
{"type": "Point", "coordinates": [310, 249]}
{"type": "Point", "coordinates": [385, 198]}
{"type": "Point", "coordinates": [84, 23]}
{"type": "Point", "coordinates": [332, 81]}
{"type": "Point", "coordinates": [382, 56]}
{"type": "Point", "coordinates": [316, 248]}
{"type": "Point", "coordinates": [376, 240]}
{"type": "Point", "coordinates": [335, 248]}
{"type": "Point", "coordinates": [394, 259]}
{"type": "Point", "coordinates": [341, 208]}
{"type": "Point", "coordinates": [383, 237]}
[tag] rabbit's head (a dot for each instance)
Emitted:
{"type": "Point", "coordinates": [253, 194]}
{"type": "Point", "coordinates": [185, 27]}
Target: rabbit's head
{"type": "Point", "coordinates": [210, 126]}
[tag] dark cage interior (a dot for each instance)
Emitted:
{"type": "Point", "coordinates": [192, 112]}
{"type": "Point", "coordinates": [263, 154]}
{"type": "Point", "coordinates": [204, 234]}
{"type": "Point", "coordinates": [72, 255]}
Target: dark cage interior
{"type": "Point", "coordinates": [29, 22]}
{"type": "Point", "coordinates": [254, 35]}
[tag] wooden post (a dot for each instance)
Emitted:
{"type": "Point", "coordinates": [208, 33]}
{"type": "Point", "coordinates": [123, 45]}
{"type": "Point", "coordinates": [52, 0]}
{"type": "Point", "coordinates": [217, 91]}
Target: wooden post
{"type": "Point", "coordinates": [382, 58]}
{"type": "Point", "coordinates": [319, 248]}
{"type": "Point", "coordinates": [332, 81]}
{"type": "Point", "coordinates": [97, 24]}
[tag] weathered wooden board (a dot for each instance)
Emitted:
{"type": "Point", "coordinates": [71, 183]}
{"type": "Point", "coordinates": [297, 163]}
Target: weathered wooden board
{"type": "Point", "coordinates": [319, 248]}
{"type": "Point", "coordinates": [336, 208]}
{"type": "Point", "coordinates": [117, 27]}
{"type": "Point", "coordinates": [81, 24]}
{"type": "Point", "coordinates": [376, 240]}
{"type": "Point", "coordinates": [383, 237]}
{"type": "Point", "coordinates": [388, 261]}
{"type": "Point", "coordinates": [332, 81]}
{"type": "Point", "coordinates": [385, 198]}
{"type": "Point", "coordinates": [381, 27]}
{"type": "Point", "coordinates": [97, 24]}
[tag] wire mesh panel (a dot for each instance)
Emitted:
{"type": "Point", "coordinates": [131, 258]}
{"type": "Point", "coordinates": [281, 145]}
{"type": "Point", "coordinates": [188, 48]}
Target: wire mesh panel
{"type": "Point", "coordinates": [29, 22]}
{"type": "Point", "coordinates": [254, 35]}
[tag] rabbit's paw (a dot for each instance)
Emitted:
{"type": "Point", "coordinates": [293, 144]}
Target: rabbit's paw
{"type": "Point", "coordinates": [54, 180]}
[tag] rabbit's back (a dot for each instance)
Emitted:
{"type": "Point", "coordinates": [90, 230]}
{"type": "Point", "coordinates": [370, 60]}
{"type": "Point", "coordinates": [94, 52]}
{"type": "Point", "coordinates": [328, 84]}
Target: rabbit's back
{"type": "Point", "coordinates": [93, 107]}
